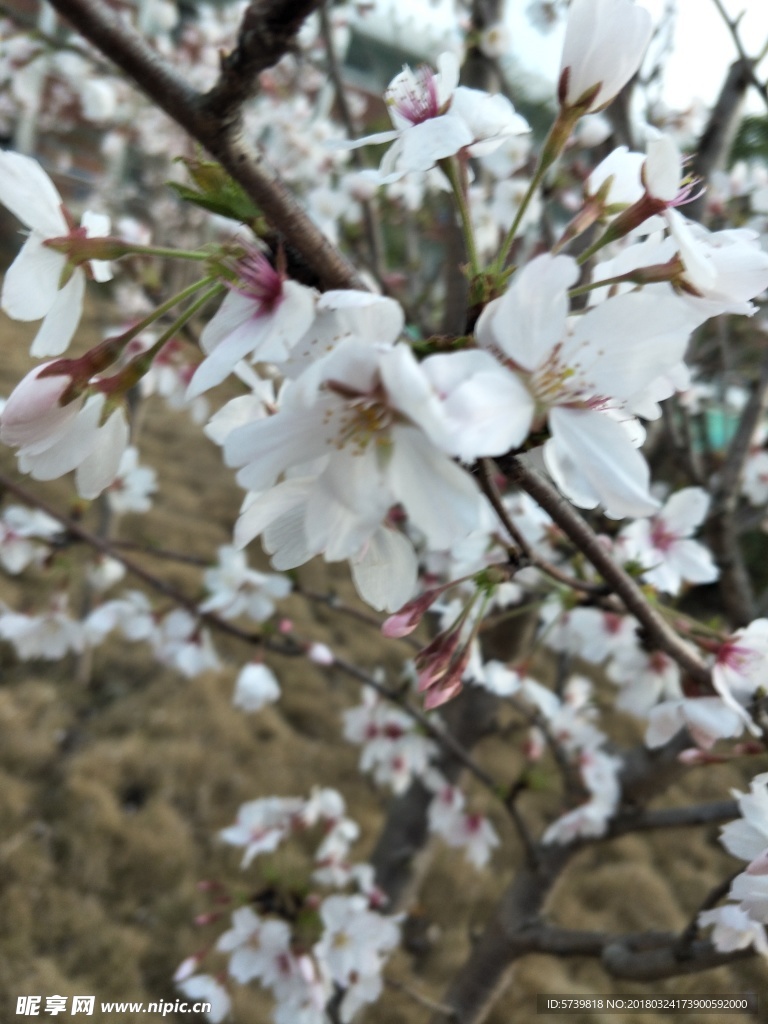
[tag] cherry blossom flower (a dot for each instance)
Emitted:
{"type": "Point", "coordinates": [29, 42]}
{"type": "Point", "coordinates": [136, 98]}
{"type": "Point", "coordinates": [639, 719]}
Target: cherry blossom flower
{"type": "Point", "coordinates": [132, 487]}
{"type": "Point", "coordinates": [256, 687]}
{"type": "Point", "coordinates": [605, 41]}
{"type": "Point", "coordinates": [707, 719]}
{"type": "Point", "coordinates": [747, 837]}
{"type": "Point", "coordinates": [663, 545]}
{"type": "Point", "coordinates": [262, 825]}
{"type": "Point", "coordinates": [353, 949]}
{"type": "Point", "coordinates": [472, 833]}
{"type": "Point", "coordinates": [356, 434]}
{"type": "Point", "coordinates": [204, 988]}
{"type": "Point", "coordinates": [740, 667]}
{"type": "Point", "coordinates": [734, 929]}
{"type": "Point", "coordinates": [754, 482]}
{"type": "Point", "coordinates": [236, 589]}
{"type": "Point", "coordinates": [644, 677]}
{"type": "Point", "coordinates": [254, 944]}
{"type": "Point", "coordinates": [21, 533]}
{"type": "Point", "coordinates": [181, 642]}
{"type": "Point", "coordinates": [50, 635]}
{"type": "Point", "coordinates": [132, 614]}
{"type": "Point", "coordinates": [586, 377]}
{"type": "Point", "coordinates": [434, 118]}
{"type": "Point", "coordinates": [263, 315]}
{"type": "Point", "coordinates": [53, 439]}
{"type": "Point", "coordinates": [32, 289]}
{"type": "Point", "coordinates": [394, 752]}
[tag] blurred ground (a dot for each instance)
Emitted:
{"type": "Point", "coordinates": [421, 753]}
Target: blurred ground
{"type": "Point", "coordinates": [113, 785]}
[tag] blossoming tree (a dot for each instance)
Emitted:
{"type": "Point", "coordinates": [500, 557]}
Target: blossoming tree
{"type": "Point", "coordinates": [509, 436]}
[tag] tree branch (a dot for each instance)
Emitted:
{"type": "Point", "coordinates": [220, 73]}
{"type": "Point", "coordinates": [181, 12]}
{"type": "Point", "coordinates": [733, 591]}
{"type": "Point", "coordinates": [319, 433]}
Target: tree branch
{"type": "Point", "coordinates": [123, 45]}
{"type": "Point", "coordinates": [674, 817]}
{"type": "Point", "coordinates": [267, 32]}
{"type": "Point", "coordinates": [623, 960]}
{"type": "Point", "coordinates": [491, 491]}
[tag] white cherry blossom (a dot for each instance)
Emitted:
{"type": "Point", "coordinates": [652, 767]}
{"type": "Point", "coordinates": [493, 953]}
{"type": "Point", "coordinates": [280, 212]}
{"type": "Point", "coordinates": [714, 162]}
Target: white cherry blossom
{"type": "Point", "coordinates": [733, 928]}
{"type": "Point", "coordinates": [32, 289]}
{"type": "Point", "coordinates": [663, 544]}
{"type": "Point", "coordinates": [740, 667]}
{"type": "Point", "coordinates": [586, 376]}
{"type": "Point", "coordinates": [53, 439]}
{"type": "Point", "coordinates": [263, 315]}
{"type": "Point", "coordinates": [434, 118]}
{"type": "Point", "coordinates": [256, 687]}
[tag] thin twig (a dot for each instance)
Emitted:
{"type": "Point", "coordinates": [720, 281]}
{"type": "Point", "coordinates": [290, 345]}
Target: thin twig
{"type": "Point", "coordinates": [422, 1000]}
{"type": "Point", "coordinates": [712, 898]}
{"type": "Point", "coordinates": [164, 554]}
{"type": "Point", "coordinates": [371, 222]}
{"type": "Point", "coordinates": [332, 601]}
{"type": "Point", "coordinates": [491, 491]}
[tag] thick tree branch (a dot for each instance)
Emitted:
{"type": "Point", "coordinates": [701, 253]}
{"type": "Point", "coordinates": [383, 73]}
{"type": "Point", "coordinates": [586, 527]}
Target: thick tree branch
{"type": "Point", "coordinates": [624, 960]}
{"type": "Point", "coordinates": [267, 32]}
{"type": "Point", "coordinates": [674, 817]}
{"type": "Point", "coordinates": [123, 45]}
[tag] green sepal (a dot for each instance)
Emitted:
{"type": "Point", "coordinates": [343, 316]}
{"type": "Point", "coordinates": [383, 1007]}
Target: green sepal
{"type": "Point", "coordinates": [218, 193]}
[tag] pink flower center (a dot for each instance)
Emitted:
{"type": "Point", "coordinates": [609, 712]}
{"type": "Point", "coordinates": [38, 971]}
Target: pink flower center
{"type": "Point", "coordinates": [735, 656]}
{"type": "Point", "coordinates": [420, 103]}
{"type": "Point", "coordinates": [662, 538]}
{"type": "Point", "coordinates": [257, 279]}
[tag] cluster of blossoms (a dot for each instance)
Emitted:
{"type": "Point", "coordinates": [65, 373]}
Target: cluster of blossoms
{"type": "Point", "coordinates": [353, 938]}
{"type": "Point", "coordinates": [361, 436]}
{"type": "Point", "coordinates": [742, 923]}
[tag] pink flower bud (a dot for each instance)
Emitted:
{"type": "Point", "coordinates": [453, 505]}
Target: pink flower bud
{"type": "Point", "coordinates": [32, 412]}
{"type": "Point", "coordinates": [408, 618]}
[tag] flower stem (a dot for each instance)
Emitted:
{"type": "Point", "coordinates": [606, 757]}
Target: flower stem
{"type": "Point", "coordinates": [174, 300]}
{"type": "Point", "coordinates": [554, 144]}
{"type": "Point", "coordinates": [456, 173]}
{"type": "Point", "coordinates": [135, 370]}
{"type": "Point", "coordinates": [159, 250]}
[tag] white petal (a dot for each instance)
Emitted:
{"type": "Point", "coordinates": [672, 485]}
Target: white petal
{"type": "Point", "coordinates": [441, 499]}
{"type": "Point", "coordinates": [529, 319]}
{"type": "Point", "coordinates": [269, 447]}
{"type": "Point", "coordinates": [62, 319]}
{"type": "Point", "coordinates": [604, 457]}
{"type": "Point", "coordinates": [30, 195]}
{"type": "Point", "coordinates": [96, 472]}
{"type": "Point", "coordinates": [32, 280]}
{"type": "Point", "coordinates": [70, 448]}
{"type": "Point", "coordinates": [386, 571]}
{"type": "Point", "coordinates": [260, 510]}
